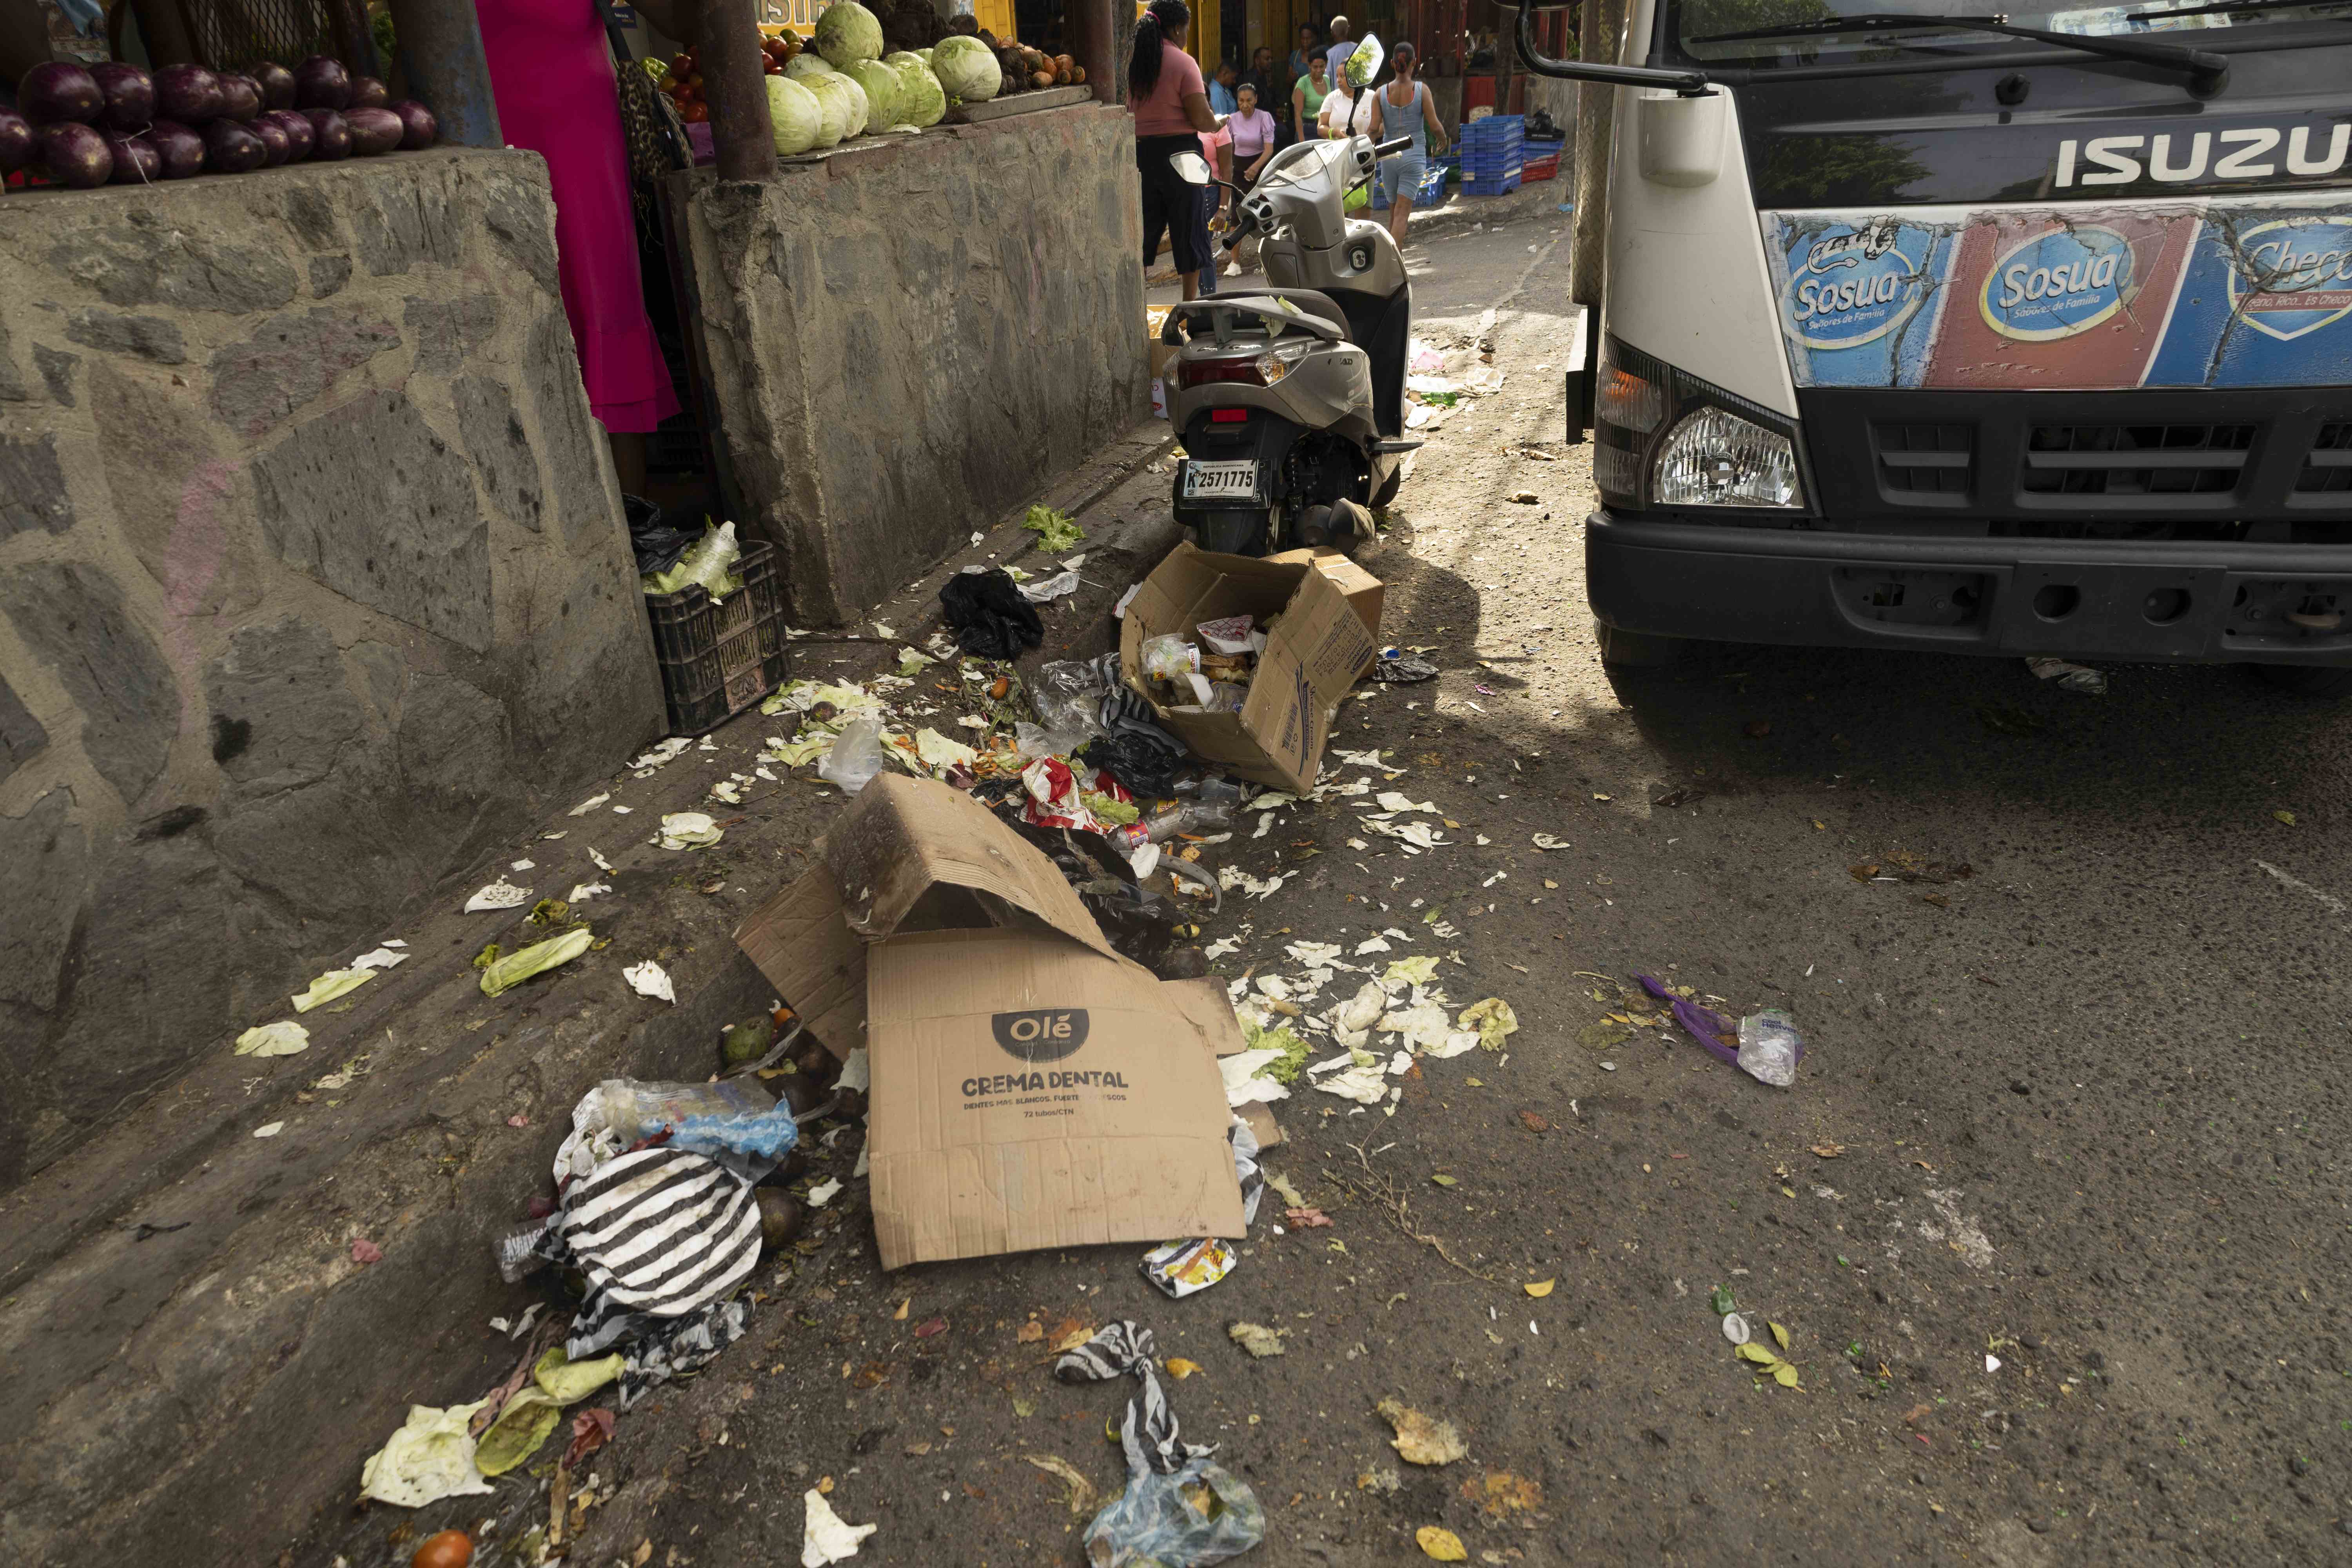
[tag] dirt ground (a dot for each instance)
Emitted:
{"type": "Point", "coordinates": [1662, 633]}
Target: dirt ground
{"type": "Point", "coordinates": [2054, 1218]}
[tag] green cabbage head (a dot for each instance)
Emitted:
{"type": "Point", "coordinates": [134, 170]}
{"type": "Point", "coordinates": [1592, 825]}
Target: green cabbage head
{"type": "Point", "coordinates": [882, 89]}
{"type": "Point", "coordinates": [847, 33]}
{"type": "Point", "coordinates": [842, 97]}
{"type": "Point", "coordinates": [924, 100]}
{"type": "Point", "coordinates": [807, 64]}
{"type": "Point", "coordinates": [795, 114]}
{"type": "Point", "coordinates": [967, 68]}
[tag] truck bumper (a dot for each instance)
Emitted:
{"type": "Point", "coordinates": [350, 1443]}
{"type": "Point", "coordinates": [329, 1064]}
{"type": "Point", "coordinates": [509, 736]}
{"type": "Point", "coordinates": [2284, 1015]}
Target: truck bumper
{"type": "Point", "coordinates": [2184, 601]}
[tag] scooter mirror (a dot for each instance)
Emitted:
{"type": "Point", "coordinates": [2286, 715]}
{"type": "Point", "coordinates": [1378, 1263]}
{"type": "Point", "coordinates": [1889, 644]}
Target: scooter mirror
{"type": "Point", "coordinates": [1364, 65]}
{"type": "Point", "coordinates": [1190, 167]}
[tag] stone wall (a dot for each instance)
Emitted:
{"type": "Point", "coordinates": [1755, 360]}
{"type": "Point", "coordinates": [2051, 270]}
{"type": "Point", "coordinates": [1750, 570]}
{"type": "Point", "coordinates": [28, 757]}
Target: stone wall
{"type": "Point", "coordinates": [313, 585]}
{"type": "Point", "coordinates": [908, 338]}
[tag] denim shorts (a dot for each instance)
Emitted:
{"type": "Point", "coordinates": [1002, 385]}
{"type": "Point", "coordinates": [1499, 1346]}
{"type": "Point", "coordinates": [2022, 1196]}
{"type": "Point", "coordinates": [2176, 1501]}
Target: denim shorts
{"type": "Point", "coordinates": [1400, 176]}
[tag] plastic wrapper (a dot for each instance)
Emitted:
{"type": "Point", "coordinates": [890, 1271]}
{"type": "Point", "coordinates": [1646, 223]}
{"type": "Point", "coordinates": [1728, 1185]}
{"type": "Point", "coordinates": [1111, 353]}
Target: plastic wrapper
{"type": "Point", "coordinates": [709, 563]}
{"type": "Point", "coordinates": [735, 1114]}
{"type": "Point", "coordinates": [1169, 657]}
{"type": "Point", "coordinates": [1231, 635]}
{"type": "Point", "coordinates": [1068, 695]}
{"type": "Point", "coordinates": [1769, 1048]}
{"type": "Point", "coordinates": [1182, 1267]}
{"type": "Point", "coordinates": [1202, 1513]}
{"type": "Point", "coordinates": [856, 757]}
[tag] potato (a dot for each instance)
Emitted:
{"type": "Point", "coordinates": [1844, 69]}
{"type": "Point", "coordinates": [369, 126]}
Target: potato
{"type": "Point", "coordinates": [1040, 78]}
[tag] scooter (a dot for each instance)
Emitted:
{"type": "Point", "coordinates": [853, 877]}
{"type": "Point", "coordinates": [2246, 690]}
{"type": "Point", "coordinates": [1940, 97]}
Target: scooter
{"type": "Point", "coordinates": [1291, 400]}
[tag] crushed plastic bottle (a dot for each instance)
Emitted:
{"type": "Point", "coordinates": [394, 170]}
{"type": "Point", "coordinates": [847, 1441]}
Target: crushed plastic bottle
{"type": "Point", "coordinates": [1770, 1047]}
{"type": "Point", "coordinates": [1197, 816]}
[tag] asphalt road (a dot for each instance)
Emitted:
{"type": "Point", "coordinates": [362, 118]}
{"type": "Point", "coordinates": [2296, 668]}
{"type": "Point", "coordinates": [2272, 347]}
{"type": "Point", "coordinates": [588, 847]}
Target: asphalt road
{"type": "Point", "coordinates": [2054, 1217]}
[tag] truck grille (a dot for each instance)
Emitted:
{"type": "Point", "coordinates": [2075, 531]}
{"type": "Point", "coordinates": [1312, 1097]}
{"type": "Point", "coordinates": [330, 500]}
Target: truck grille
{"type": "Point", "coordinates": [2134, 460]}
{"type": "Point", "coordinates": [2327, 467]}
{"type": "Point", "coordinates": [1927, 463]}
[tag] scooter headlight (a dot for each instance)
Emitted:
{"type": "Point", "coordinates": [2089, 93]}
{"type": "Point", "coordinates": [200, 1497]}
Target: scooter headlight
{"type": "Point", "coordinates": [1662, 438]}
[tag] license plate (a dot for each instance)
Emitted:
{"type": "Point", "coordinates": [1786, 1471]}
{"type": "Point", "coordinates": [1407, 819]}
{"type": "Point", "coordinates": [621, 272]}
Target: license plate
{"type": "Point", "coordinates": [1235, 480]}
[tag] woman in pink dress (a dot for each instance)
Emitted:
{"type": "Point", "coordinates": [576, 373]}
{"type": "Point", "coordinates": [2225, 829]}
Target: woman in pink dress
{"type": "Point", "coordinates": [552, 70]}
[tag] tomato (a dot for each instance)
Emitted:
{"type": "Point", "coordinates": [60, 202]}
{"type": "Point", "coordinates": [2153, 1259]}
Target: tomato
{"type": "Point", "coordinates": [694, 82]}
{"type": "Point", "coordinates": [450, 1548]}
{"type": "Point", "coordinates": [773, 68]}
{"type": "Point", "coordinates": [696, 113]}
{"type": "Point", "coordinates": [682, 63]}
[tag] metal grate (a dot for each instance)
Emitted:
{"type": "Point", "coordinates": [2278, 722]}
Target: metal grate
{"type": "Point", "coordinates": [234, 35]}
{"type": "Point", "coordinates": [2327, 467]}
{"type": "Point", "coordinates": [1919, 462]}
{"type": "Point", "coordinates": [2134, 460]}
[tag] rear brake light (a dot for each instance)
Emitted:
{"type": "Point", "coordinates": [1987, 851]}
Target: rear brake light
{"type": "Point", "coordinates": [1228, 416]}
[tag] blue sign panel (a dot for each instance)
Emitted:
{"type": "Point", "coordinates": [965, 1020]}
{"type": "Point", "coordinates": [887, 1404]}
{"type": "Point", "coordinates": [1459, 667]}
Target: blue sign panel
{"type": "Point", "coordinates": [2265, 302]}
{"type": "Point", "coordinates": [1859, 297]}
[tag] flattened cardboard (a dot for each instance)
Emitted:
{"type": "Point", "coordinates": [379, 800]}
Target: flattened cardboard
{"type": "Point", "coordinates": [1029, 1092]}
{"type": "Point", "coordinates": [817, 964]}
{"type": "Point", "coordinates": [1311, 658]}
{"type": "Point", "coordinates": [1363, 590]}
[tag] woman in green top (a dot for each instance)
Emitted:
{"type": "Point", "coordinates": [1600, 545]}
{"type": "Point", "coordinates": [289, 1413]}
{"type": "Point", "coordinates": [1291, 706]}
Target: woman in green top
{"type": "Point", "coordinates": [1306, 98]}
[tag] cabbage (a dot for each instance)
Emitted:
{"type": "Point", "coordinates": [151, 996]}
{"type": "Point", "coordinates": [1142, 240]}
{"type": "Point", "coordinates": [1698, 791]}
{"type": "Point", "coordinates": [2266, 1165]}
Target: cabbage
{"type": "Point", "coordinates": [882, 90]}
{"type": "Point", "coordinates": [847, 33]}
{"type": "Point", "coordinates": [967, 68]}
{"type": "Point", "coordinates": [795, 114]}
{"type": "Point", "coordinates": [924, 55]}
{"type": "Point", "coordinates": [924, 101]}
{"type": "Point", "coordinates": [806, 65]}
{"type": "Point", "coordinates": [845, 109]}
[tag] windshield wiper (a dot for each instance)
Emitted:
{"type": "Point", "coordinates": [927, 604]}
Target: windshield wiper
{"type": "Point", "coordinates": [2209, 68]}
{"type": "Point", "coordinates": [2230, 5]}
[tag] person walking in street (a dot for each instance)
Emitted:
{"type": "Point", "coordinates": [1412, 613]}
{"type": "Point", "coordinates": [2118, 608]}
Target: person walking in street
{"type": "Point", "coordinates": [1254, 136]}
{"type": "Point", "coordinates": [1403, 108]}
{"type": "Point", "coordinates": [1338, 118]}
{"type": "Point", "coordinates": [1307, 96]}
{"type": "Point", "coordinates": [1221, 89]}
{"type": "Point", "coordinates": [1217, 147]}
{"type": "Point", "coordinates": [1343, 44]}
{"type": "Point", "coordinates": [1263, 76]}
{"type": "Point", "coordinates": [1170, 106]}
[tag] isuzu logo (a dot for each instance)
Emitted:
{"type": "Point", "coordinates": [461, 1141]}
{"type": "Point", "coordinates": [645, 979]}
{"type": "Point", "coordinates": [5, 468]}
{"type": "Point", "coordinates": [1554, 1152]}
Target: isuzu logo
{"type": "Point", "coordinates": [1856, 285]}
{"type": "Point", "coordinates": [2187, 157]}
{"type": "Point", "coordinates": [2058, 283]}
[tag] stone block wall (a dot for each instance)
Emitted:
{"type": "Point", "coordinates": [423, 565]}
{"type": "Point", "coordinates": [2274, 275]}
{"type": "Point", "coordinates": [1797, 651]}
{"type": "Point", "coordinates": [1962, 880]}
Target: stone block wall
{"type": "Point", "coordinates": [906, 339]}
{"type": "Point", "coordinates": [313, 586]}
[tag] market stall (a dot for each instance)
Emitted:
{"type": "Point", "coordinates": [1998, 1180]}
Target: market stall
{"type": "Point", "coordinates": [313, 574]}
{"type": "Point", "coordinates": [914, 287]}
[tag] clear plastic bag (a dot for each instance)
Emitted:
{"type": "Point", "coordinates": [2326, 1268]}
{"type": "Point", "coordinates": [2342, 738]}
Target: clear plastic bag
{"type": "Point", "coordinates": [735, 1114]}
{"type": "Point", "coordinates": [1169, 657]}
{"type": "Point", "coordinates": [1770, 1047]}
{"type": "Point", "coordinates": [709, 565]}
{"type": "Point", "coordinates": [1068, 696]}
{"type": "Point", "coordinates": [856, 757]}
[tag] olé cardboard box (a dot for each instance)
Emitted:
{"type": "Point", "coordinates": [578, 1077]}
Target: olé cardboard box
{"type": "Point", "coordinates": [1313, 655]}
{"type": "Point", "coordinates": [1364, 591]}
{"type": "Point", "coordinates": [1030, 1088]}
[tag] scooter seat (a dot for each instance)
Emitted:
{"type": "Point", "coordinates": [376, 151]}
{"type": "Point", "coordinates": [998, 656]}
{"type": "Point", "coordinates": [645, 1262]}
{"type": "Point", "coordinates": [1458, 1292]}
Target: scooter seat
{"type": "Point", "coordinates": [1306, 304]}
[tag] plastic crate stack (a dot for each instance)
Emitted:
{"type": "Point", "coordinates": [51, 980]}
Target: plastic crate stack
{"type": "Point", "coordinates": [1429, 193]}
{"type": "Point", "coordinates": [1494, 156]}
{"type": "Point", "coordinates": [1541, 160]}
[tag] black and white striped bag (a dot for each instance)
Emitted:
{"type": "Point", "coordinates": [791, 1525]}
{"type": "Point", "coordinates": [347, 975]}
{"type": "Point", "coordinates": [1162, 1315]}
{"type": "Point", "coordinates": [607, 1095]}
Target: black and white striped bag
{"type": "Point", "coordinates": [662, 1232]}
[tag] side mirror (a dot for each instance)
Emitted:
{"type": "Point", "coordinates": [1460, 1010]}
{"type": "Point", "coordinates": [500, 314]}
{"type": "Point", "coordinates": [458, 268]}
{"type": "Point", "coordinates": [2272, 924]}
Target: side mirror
{"type": "Point", "coordinates": [1370, 56]}
{"type": "Point", "coordinates": [1190, 167]}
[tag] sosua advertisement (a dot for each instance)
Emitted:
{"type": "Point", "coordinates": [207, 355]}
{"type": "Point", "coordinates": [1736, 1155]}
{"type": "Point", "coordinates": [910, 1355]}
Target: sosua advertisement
{"type": "Point", "coordinates": [2201, 293]}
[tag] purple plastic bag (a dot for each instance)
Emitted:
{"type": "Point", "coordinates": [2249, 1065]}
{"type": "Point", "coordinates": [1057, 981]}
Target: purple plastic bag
{"type": "Point", "coordinates": [1705, 1024]}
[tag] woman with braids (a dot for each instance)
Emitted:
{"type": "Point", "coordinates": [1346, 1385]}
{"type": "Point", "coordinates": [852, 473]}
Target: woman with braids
{"type": "Point", "coordinates": [1172, 114]}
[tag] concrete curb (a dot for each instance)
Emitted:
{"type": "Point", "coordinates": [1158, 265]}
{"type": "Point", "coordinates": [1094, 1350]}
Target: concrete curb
{"type": "Point", "coordinates": [204, 1363]}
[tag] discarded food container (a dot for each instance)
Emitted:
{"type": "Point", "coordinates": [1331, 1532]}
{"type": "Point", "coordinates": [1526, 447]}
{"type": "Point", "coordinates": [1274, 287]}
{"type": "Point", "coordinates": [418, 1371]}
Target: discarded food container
{"type": "Point", "coordinates": [718, 658]}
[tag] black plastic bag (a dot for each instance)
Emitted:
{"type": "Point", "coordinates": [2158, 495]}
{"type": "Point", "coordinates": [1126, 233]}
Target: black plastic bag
{"type": "Point", "coordinates": [990, 618]}
{"type": "Point", "coordinates": [657, 544]}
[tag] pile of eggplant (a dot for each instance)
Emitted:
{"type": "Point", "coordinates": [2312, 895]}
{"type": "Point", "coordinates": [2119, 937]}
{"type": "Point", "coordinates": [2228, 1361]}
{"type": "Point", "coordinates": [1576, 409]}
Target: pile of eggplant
{"type": "Point", "coordinates": [84, 126]}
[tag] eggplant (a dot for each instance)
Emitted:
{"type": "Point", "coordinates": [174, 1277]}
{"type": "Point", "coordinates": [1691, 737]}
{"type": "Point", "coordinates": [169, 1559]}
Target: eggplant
{"type": "Point", "coordinates": [374, 130]}
{"type": "Point", "coordinates": [75, 155]}
{"type": "Point", "coordinates": [231, 149]}
{"type": "Point", "coordinates": [368, 93]}
{"type": "Point", "coordinates": [276, 85]}
{"type": "Point", "coordinates": [240, 97]}
{"type": "Point", "coordinates": [18, 144]}
{"type": "Point", "coordinates": [332, 134]}
{"type": "Point", "coordinates": [180, 149]}
{"type": "Point", "coordinates": [321, 82]}
{"type": "Point", "coordinates": [275, 147]}
{"type": "Point", "coordinates": [136, 162]}
{"type": "Point", "coordinates": [187, 93]}
{"type": "Point", "coordinates": [130, 94]}
{"type": "Point", "coordinates": [300, 137]}
{"type": "Point", "coordinates": [423, 129]}
{"type": "Point", "coordinates": [58, 92]}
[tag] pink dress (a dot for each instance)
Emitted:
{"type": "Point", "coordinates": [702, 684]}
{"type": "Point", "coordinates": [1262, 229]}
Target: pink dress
{"type": "Point", "coordinates": [552, 70]}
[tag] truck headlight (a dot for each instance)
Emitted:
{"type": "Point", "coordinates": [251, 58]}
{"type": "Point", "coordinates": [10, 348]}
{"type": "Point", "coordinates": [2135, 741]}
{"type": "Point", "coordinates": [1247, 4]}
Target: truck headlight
{"type": "Point", "coordinates": [1662, 438]}
{"type": "Point", "coordinates": [1713, 457]}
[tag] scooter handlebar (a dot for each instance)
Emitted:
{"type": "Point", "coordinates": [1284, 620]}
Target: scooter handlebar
{"type": "Point", "coordinates": [1390, 149]}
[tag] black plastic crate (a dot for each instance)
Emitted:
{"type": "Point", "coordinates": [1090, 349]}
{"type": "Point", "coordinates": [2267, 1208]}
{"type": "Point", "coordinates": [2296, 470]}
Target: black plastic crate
{"type": "Point", "coordinates": [717, 659]}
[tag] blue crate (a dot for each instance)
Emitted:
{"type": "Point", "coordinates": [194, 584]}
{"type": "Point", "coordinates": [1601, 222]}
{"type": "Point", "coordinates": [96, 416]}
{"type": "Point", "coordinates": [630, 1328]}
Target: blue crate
{"type": "Point", "coordinates": [1502, 186]}
{"type": "Point", "coordinates": [1430, 189]}
{"type": "Point", "coordinates": [1496, 125]}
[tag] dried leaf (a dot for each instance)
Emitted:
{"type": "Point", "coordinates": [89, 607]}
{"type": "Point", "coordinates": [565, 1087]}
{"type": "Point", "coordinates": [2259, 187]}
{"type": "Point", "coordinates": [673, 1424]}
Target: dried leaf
{"type": "Point", "coordinates": [2286, 816]}
{"type": "Point", "coordinates": [1421, 1439]}
{"type": "Point", "coordinates": [900, 1315]}
{"type": "Point", "coordinates": [644, 1551]}
{"type": "Point", "coordinates": [1179, 1369]}
{"type": "Point", "coordinates": [873, 1374]}
{"type": "Point", "coordinates": [1307, 1219]}
{"type": "Point", "coordinates": [1538, 1288]}
{"type": "Point", "coordinates": [926, 1329]}
{"type": "Point", "coordinates": [1501, 1493]}
{"type": "Point", "coordinates": [1829, 1150]}
{"type": "Point", "coordinates": [1753, 1352]}
{"type": "Point", "coordinates": [1082, 1499]}
{"type": "Point", "coordinates": [1025, 1408]}
{"type": "Point", "coordinates": [1443, 1181]}
{"type": "Point", "coordinates": [1785, 1375]}
{"type": "Point", "coordinates": [1441, 1546]}
{"type": "Point", "coordinates": [1534, 1123]}
{"type": "Point", "coordinates": [1779, 1334]}
{"type": "Point", "coordinates": [1031, 1333]}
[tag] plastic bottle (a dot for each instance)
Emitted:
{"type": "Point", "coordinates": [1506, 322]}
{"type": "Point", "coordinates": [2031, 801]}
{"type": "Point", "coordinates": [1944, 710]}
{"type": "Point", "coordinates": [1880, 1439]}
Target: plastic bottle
{"type": "Point", "coordinates": [1193, 816]}
{"type": "Point", "coordinates": [1770, 1047]}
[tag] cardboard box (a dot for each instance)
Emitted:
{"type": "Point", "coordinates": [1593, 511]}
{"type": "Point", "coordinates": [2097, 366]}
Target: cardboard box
{"type": "Point", "coordinates": [1364, 591]}
{"type": "Point", "coordinates": [1312, 656]}
{"type": "Point", "coordinates": [1030, 1088]}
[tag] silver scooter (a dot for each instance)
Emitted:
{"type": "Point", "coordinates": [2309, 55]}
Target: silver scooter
{"type": "Point", "coordinates": [1290, 401]}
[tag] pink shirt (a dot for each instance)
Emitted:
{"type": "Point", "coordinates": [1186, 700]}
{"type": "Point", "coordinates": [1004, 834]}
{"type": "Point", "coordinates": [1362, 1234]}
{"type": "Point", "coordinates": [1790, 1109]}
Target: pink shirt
{"type": "Point", "coordinates": [1251, 132]}
{"type": "Point", "coordinates": [1209, 141]}
{"type": "Point", "coordinates": [1162, 113]}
